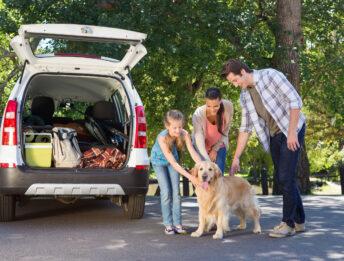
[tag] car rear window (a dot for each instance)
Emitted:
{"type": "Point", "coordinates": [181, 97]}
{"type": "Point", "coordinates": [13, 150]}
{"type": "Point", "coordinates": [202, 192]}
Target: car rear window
{"type": "Point", "coordinates": [63, 47]}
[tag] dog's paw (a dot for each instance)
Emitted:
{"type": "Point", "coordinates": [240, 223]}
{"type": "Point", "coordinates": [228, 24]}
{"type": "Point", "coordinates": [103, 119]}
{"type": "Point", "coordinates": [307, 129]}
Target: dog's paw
{"type": "Point", "coordinates": [257, 230]}
{"type": "Point", "coordinates": [226, 229]}
{"type": "Point", "coordinates": [241, 227]}
{"type": "Point", "coordinates": [218, 236]}
{"type": "Point", "coordinates": [196, 234]}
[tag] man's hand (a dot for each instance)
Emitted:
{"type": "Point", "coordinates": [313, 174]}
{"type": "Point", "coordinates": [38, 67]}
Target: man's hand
{"type": "Point", "coordinates": [292, 141]}
{"type": "Point", "coordinates": [235, 166]}
{"type": "Point", "coordinates": [213, 155]}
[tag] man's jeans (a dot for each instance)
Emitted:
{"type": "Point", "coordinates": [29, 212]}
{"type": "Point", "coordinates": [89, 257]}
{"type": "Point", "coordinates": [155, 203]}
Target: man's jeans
{"type": "Point", "coordinates": [168, 180]}
{"type": "Point", "coordinates": [285, 163]}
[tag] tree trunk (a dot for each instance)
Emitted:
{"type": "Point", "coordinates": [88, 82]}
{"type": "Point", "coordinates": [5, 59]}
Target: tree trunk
{"type": "Point", "coordinates": [288, 39]}
{"type": "Point", "coordinates": [286, 59]}
{"type": "Point", "coordinates": [303, 171]}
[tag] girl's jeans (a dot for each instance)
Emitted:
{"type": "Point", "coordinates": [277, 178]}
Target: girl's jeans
{"type": "Point", "coordinates": [168, 180]}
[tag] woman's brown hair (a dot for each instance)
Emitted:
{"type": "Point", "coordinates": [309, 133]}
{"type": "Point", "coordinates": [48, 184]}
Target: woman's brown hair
{"type": "Point", "coordinates": [214, 93]}
{"type": "Point", "coordinates": [179, 141]}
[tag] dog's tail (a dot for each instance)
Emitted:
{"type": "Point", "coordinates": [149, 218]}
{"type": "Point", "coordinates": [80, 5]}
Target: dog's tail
{"type": "Point", "coordinates": [255, 200]}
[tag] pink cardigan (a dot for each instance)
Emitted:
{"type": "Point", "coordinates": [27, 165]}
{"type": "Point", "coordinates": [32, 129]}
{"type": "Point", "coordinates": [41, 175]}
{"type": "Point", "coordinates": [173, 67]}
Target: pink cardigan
{"type": "Point", "coordinates": [199, 127]}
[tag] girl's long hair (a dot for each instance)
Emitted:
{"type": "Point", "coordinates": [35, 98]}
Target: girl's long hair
{"type": "Point", "coordinates": [179, 141]}
{"type": "Point", "coordinates": [214, 93]}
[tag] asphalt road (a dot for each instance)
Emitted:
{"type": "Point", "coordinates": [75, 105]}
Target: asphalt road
{"type": "Point", "coordinates": [98, 230]}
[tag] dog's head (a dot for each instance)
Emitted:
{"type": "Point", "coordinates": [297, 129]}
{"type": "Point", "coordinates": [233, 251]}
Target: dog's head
{"type": "Point", "coordinates": [207, 172]}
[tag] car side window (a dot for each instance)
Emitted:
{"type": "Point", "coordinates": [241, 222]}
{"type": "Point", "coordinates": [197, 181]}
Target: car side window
{"type": "Point", "coordinates": [120, 107]}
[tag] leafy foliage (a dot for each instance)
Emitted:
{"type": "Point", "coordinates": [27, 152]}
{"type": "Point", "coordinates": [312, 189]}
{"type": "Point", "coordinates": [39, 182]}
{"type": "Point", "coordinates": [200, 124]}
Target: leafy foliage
{"type": "Point", "coordinates": [188, 41]}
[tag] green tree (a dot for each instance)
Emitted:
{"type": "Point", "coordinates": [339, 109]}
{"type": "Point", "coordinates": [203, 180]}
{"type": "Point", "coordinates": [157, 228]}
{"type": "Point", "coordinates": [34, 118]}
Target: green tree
{"type": "Point", "coordinates": [188, 41]}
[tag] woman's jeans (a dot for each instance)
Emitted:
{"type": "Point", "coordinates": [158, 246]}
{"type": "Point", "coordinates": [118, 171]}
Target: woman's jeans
{"type": "Point", "coordinates": [220, 158]}
{"type": "Point", "coordinates": [168, 180]}
{"type": "Point", "coordinates": [285, 164]}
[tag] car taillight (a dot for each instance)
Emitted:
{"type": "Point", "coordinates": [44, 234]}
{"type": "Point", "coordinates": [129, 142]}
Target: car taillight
{"type": "Point", "coordinates": [142, 167]}
{"type": "Point", "coordinates": [141, 128]}
{"type": "Point", "coordinates": [7, 165]}
{"type": "Point", "coordinates": [9, 129]}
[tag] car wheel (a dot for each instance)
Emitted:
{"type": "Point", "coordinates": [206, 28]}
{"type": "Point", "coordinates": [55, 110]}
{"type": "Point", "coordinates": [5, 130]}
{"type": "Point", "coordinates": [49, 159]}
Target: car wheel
{"type": "Point", "coordinates": [7, 208]}
{"type": "Point", "coordinates": [134, 206]}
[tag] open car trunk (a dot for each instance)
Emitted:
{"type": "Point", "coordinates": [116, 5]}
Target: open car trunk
{"type": "Point", "coordinates": [95, 108]}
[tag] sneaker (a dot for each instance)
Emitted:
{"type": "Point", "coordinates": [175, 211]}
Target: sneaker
{"type": "Point", "coordinates": [279, 226]}
{"type": "Point", "coordinates": [300, 227]}
{"type": "Point", "coordinates": [282, 230]}
{"type": "Point", "coordinates": [169, 230]}
{"type": "Point", "coordinates": [180, 230]}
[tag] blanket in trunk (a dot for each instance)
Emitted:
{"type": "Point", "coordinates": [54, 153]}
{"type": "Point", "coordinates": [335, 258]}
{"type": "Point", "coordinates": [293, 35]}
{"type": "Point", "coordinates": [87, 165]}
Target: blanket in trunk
{"type": "Point", "coordinates": [109, 158]}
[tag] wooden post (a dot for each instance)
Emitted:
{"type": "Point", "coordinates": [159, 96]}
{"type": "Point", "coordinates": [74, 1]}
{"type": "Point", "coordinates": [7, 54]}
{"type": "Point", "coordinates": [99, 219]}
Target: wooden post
{"type": "Point", "coordinates": [341, 166]}
{"type": "Point", "coordinates": [341, 175]}
{"type": "Point", "coordinates": [264, 181]}
{"type": "Point", "coordinates": [186, 191]}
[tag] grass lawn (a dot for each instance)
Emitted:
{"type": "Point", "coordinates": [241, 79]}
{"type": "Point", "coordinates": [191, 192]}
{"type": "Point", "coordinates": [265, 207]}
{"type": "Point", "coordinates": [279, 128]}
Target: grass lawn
{"type": "Point", "coordinates": [328, 188]}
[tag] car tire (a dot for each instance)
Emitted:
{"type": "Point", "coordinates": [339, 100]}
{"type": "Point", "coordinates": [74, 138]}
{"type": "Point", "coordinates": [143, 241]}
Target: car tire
{"type": "Point", "coordinates": [7, 208]}
{"type": "Point", "coordinates": [134, 206]}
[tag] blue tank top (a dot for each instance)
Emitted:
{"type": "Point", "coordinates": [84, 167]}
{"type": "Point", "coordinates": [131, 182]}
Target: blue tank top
{"type": "Point", "coordinates": [157, 156]}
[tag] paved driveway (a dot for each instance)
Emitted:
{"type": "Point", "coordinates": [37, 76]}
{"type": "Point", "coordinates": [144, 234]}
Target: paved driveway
{"type": "Point", "coordinates": [97, 230]}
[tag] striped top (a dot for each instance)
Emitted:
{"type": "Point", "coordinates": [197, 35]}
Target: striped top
{"type": "Point", "coordinates": [278, 97]}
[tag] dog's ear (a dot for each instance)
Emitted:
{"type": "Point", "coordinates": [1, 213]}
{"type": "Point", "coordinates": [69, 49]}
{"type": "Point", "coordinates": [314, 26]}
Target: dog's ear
{"type": "Point", "coordinates": [194, 170]}
{"type": "Point", "coordinates": [218, 172]}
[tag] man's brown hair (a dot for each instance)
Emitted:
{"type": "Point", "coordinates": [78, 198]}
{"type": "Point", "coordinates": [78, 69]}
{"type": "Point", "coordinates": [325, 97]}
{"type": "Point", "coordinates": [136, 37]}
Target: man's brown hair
{"type": "Point", "coordinates": [234, 66]}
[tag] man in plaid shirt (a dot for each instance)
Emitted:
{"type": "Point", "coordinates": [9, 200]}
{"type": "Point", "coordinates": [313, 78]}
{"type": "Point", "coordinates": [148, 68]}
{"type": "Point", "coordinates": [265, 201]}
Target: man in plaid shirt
{"type": "Point", "coordinates": [271, 105]}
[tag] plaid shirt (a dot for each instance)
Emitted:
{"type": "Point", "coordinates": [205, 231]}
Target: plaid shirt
{"type": "Point", "coordinates": [278, 97]}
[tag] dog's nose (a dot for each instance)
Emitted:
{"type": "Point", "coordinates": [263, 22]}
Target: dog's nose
{"type": "Point", "coordinates": [204, 177]}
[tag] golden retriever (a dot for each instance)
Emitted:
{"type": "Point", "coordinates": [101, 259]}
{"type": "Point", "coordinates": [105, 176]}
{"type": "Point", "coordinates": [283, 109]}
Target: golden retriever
{"type": "Point", "coordinates": [219, 197]}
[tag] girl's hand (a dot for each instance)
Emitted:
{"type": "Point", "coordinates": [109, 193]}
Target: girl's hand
{"type": "Point", "coordinates": [194, 181]}
{"type": "Point", "coordinates": [213, 155]}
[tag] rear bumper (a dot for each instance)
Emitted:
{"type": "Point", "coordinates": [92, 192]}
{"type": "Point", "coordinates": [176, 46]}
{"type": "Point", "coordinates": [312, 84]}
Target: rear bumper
{"type": "Point", "coordinates": [23, 180]}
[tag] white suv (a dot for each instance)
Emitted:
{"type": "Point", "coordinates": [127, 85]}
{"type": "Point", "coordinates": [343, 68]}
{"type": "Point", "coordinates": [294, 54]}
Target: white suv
{"type": "Point", "coordinates": [75, 82]}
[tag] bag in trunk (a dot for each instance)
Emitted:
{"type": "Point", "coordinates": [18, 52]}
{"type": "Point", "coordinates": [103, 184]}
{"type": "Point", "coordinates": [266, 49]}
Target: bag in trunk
{"type": "Point", "coordinates": [66, 151]}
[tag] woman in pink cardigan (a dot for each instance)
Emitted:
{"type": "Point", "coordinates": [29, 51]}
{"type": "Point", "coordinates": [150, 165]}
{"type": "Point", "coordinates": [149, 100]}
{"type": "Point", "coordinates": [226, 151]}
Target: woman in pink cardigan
{"type": "Point", "coordinates": [211, 124]}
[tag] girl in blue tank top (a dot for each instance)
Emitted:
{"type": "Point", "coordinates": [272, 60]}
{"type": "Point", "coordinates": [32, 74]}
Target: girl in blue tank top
{"type": "Point", "coordinates": [164, 159]}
